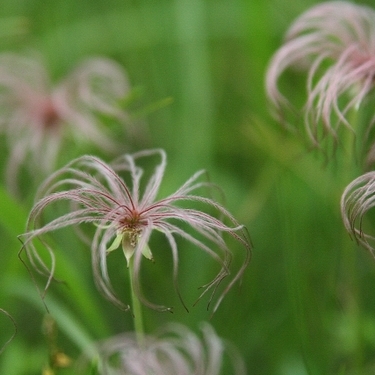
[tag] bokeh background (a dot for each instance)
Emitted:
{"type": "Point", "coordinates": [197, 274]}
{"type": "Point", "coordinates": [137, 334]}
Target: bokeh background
{"type": "Point", "coordinates": [307, 302]}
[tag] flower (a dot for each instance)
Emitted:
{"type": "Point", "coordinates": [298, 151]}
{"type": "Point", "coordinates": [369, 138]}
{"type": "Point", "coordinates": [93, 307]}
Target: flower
{"type": "Point", "coordinates": [36, 118]}
{"type": "Point", "coordinates": [14, 326]}
{"type": "Point", "coordinates": [356, 200]}
{"type": "Point", "coordinates": [335, 42]}
{"type": "Point", "coordinates": [123, 216]}
{"type": "Point", "coordinates": [173, 350]}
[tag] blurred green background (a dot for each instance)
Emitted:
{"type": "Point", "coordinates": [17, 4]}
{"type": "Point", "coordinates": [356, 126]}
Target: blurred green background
{"type": "Point", "coordinates": [307, 302]}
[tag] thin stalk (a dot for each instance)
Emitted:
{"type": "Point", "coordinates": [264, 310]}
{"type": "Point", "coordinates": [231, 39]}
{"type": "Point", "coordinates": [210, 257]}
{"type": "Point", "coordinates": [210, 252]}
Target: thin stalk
{"type": "Point", "coordinates": [136, 306]}
{"type": "Point", "coordinates": [352, 302]}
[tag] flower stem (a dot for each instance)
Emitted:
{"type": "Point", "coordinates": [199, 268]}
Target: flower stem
{"type": "Point", "coordinates": [136, 306]}
{"type": "Point", "coordinates": [352, 298]}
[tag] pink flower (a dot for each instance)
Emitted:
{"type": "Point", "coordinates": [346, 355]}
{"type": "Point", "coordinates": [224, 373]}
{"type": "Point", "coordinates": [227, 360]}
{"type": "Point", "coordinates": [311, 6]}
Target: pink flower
{"type": "Point", "coordinates": [334, 42]}
{"type": "Point", "coordinates": [126, 216]}
{"type": "Point", "coordinates": [36, 117]}
{"type": "Point", "coordinates": [356, 201]}
{"type": "Point", "coordinates": [173, 350]}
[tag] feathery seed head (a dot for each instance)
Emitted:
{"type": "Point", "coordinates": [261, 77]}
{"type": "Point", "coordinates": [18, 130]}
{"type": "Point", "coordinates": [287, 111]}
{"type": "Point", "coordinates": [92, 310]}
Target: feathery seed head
{"type": "Point", "coordinates": [172, 350]}
{"type": "Point", "coordinates": [335, 43]}
{"type": "Point", "coordinates": [126, 215]}
{"type": "Point", "coordinates": [356, 201]}
{"type": "Point", "coordinates": [34, 115]}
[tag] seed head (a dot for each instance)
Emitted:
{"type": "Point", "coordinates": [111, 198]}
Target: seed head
{"type": "Point", "coordinates": [126, 215]}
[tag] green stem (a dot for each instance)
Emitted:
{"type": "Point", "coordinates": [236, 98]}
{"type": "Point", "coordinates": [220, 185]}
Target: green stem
{"type": "Point", "coordinates": [352, 306]}
{"type": "Point", "coordinates": [136, 306]}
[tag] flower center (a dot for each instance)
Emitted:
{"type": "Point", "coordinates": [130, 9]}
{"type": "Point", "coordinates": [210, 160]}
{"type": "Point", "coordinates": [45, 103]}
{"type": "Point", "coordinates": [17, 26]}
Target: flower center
{"type": "Point", "coordinates": [133, 235]}
{"type": "Point", "coordinates": [131, 226]}
{"type": "Point", "coordinates": [44, 112]}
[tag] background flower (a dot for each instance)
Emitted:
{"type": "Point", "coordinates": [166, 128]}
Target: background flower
{"type": "Point", "coordinates": [356, 201]}
{"type": "Point", "coordinates": [4, 345]}
{"type": "Point", "coordinates": [172, 350]}
{"type": "Point", "coordinates": [37, 117]}
{"type": "Point", "coordinates": [334, 42]}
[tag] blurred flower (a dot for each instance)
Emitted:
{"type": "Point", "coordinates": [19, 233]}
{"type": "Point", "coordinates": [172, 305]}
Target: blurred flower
{"type": "Point", "coordinates": [125, 217]}
{"type": "Point", "coordinates": [335, 42]}
{"type": "Point", "coordinates": [174, 350]}
{"type": "Point", "coordinates": [36, 117]}
{"type": "Point", "coordinates": [356, 201]}
{"type": "Point", "coordinates": [14, 326]}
